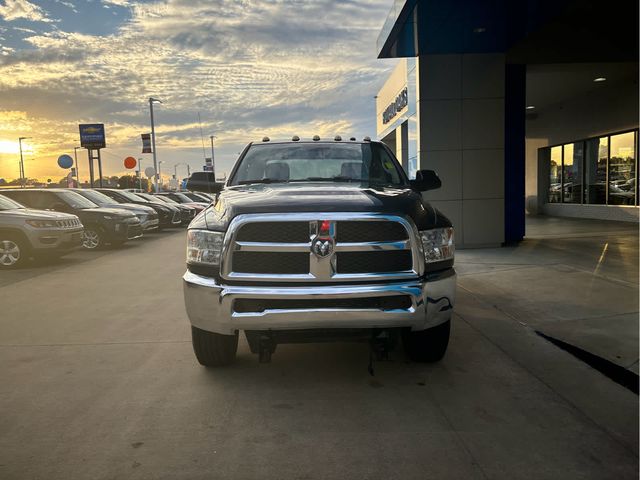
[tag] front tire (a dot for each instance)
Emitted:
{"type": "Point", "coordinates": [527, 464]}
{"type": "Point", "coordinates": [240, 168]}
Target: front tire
{"type": "Point", "coordinates": [428, 345]}
{"type": "Point", "coordinates": [13, 251]}
{"type": "Point", "coordinates": [214, 349]}
{"type": "Point", "coordinates": [92, 238]}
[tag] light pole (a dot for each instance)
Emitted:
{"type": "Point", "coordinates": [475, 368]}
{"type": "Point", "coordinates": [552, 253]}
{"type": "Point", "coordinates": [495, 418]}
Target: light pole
{"type": "Point", "coordinates": [140, 173]}
{"type": "Point", "coordinates": [153, 141]}
{"type": "Point", "coordinates": [159, 174]}
{"type": "Point", "coordinates": [22, 176]}
{"type": "Point", "coordinates": [75, 154]}
{"type": "Point", "coordinates": [213, 161]}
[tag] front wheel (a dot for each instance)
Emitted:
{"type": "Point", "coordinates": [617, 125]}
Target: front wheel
{"type": "Point", "coordinates": [428, 345]}
{"type": "Point", "coordinates": [13, 251]}
{"type": "Point", "coordinates": [92, 238]}
{"type": "Point", "coordinates": [214, 349]}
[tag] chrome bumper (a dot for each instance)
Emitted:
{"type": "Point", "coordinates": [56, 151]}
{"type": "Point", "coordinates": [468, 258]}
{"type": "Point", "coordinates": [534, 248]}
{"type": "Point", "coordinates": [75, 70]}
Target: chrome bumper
{"type": "Point", "coordinates": [210, 306]}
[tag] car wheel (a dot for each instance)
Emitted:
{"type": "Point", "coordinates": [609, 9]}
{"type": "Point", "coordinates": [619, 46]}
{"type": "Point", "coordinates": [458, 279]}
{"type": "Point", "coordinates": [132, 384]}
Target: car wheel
{"type": "Point", "coordinates": [13, 251]}
{"type": "Point", "coordinates": [428, 345]}
{"type": "Point", "coordinates": [92, 238]}
{"type": "Point", "coordinates": [214, 349]}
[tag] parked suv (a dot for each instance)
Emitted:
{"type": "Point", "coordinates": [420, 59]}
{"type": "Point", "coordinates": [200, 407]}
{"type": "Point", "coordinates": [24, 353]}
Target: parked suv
{"type": "Point", "coordinates": [316, 241]}
{"type": "Point", "coordinates": [168, 216]}
{"type": "Point", "coordinates": [101, 225]}
{"type": "Point", "coordinates": [147, 215]}
{"type": "Point", "coordinates": [25, 232]}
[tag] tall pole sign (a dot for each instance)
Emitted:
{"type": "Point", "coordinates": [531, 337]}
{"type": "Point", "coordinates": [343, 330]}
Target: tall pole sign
{"type": "Point", "coordinates": [92, 138]}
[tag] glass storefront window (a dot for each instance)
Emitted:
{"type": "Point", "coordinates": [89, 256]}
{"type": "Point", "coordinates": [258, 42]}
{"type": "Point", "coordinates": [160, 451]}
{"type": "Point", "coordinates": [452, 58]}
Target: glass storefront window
{"type": "Point", "coordinates": [555, 175]}
{"type": "Point", "coordinates": [622, 169]}
{"type": "Point", "coordinates": [572, 173]}
{"type": "Point", "coordinates": [596, 171]}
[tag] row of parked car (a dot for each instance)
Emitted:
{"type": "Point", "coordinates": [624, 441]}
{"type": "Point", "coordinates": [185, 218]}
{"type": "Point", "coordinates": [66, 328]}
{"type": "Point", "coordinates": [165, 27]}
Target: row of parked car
{"type": "Point", "coordinates": [50, 222]}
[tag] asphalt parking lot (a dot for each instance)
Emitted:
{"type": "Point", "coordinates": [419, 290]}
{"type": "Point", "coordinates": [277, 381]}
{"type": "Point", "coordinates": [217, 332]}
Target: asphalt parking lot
{"type": "Point", "coordinates": [99, 382]}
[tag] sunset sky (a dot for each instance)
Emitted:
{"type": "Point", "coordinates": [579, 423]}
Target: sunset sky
{"type": "Point", "coordinates": [250, 68]}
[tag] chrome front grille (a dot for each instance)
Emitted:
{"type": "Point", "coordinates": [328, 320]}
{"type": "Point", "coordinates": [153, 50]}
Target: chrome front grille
{"type": "Point", "coordinates": [321, 247]}
{"type": "Point", "coordinates": [71, 223]}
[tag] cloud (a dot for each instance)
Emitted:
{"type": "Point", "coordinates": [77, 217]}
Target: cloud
{"type": "Point", "coordinates": [16, 9]}
{"type": "Point", "coordinates": [251, 68]}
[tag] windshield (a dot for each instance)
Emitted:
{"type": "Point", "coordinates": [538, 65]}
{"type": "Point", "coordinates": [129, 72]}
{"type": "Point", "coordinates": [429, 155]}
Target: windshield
{"type": "Point", "coordinates": [164, 199]}
{"type": "Point", "coordinates": [75, 200]}
{"type": "Point", "coordinates": [96, 197]}
{"type": "Point", "coordinates": [8, 204]}
{"type": "Point", "coordinates": [130, 196]}
{"type": "Point", "coordinates": [299, 162]}
{"type": "Point", "coordinates": [148, 198]}
{"type": "Point", "coordinates": [195, 197]}
{"type": "Point", "coordinates": [180, 198]}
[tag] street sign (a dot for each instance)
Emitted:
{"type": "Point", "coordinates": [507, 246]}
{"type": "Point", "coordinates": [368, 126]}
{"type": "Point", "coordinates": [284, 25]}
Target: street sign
{"type": "Point", "coordinates": [208, 161]}
{"type": "Point", "coordinates": [149, 172]}
{"type": "Point", "coordinates": [92, 136]}
{"type": "Point", "coordinates": [207, 168]}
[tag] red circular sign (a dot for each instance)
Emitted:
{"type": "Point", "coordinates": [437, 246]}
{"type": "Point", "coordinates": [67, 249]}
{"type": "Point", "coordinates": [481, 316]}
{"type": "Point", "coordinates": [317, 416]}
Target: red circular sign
{"type": "Point", "coordinates": [130, 162]}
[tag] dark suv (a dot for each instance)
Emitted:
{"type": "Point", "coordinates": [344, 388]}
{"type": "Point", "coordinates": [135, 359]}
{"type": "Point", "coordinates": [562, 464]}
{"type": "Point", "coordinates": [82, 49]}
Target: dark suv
{"type": "Point", "coordinates": [168, 215]}
{"type": "Point", "coordinates": [101, 225]}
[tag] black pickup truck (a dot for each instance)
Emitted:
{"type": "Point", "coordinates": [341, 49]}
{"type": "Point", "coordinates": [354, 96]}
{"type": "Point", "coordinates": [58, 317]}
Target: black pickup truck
{"type": "Point", "coordinates": [316, 241]}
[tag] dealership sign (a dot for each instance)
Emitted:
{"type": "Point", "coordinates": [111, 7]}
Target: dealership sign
{"type": "Point", "coordinates": [92, 136]}
{"type": "Point", "coordinates": [394, 107]}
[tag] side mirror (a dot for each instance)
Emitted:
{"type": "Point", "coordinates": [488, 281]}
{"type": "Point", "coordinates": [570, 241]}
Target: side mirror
{"type": "Point", "coordinates": [204, 182]}
{"type": "Point", "coordinates": [426, 180]}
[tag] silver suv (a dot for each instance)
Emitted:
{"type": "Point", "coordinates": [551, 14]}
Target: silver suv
{"type": "Point", "coordinates": [28, 233]}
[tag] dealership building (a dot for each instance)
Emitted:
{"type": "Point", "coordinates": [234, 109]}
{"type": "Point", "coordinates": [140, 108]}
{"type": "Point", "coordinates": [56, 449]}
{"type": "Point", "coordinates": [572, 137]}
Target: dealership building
{"type": "Point", "coordinates": [526, 106]}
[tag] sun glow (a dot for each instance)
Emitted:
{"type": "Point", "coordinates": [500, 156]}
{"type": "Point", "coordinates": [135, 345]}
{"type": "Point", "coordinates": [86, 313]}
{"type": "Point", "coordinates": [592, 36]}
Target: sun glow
{"type": "Point", "coordinates": [9, 146]}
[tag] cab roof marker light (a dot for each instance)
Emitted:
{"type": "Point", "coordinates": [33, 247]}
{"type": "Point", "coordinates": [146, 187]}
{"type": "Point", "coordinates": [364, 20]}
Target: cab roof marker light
{"type": "Point", "coordinates": [316, 138]}
{"type": "Point", "coordinates": [295, 138]}
{"type": "Point", "coordinates": [338, 138]}
{"type": "Point", "coordinates": [367, 139]}
{"type": "Point", "coordinates": [265, 139]}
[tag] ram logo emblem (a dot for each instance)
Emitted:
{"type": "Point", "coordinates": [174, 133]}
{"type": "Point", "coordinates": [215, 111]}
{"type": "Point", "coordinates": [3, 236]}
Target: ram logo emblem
{"type": "Point", "coordinates": [322, 247]}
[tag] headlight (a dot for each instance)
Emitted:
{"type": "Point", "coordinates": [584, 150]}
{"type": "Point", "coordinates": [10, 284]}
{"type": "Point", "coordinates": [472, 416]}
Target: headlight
{"type": "Point", "coordinates": [204, 247]}
{"type": "Point", "coordinates": [437, 244]}
{"type": "Point", "coordinates": [42, 223]}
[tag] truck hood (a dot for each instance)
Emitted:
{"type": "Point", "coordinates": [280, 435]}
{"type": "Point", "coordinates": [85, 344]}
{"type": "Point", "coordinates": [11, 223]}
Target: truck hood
{"type": "Point", "coordinates": [318, 197]}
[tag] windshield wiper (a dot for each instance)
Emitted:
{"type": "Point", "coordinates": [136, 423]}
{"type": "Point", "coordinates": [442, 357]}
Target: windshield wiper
{"type": "Point", "coordinates": [263, 180]}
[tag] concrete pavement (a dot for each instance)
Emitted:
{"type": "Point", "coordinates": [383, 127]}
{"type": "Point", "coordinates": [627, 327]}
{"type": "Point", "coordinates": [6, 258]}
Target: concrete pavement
{"type": "Point", "coordinates": [572, 279]}
{"type": "Point", "coordinates": [99, 382]}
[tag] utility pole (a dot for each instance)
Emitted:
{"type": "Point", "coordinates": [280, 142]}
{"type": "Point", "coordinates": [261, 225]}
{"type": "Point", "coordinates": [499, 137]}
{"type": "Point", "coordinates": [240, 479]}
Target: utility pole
{"type": "Point", "coordinates": [213, 160]}
{"type": "Point", "coordinates": [22, 175]}
{"type": "Point", "coordinates": [153, 142]}
{"type": "Point", "coordinates": [75, 154]}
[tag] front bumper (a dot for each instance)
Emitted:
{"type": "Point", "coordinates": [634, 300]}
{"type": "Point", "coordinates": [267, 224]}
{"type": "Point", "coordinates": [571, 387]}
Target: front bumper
{"type": "Point", "coordinates": [210, 306]}
{"type": "Point", "coordinates": [56, 239]}
{"type": "Point", "coordinates": [150, 224]}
